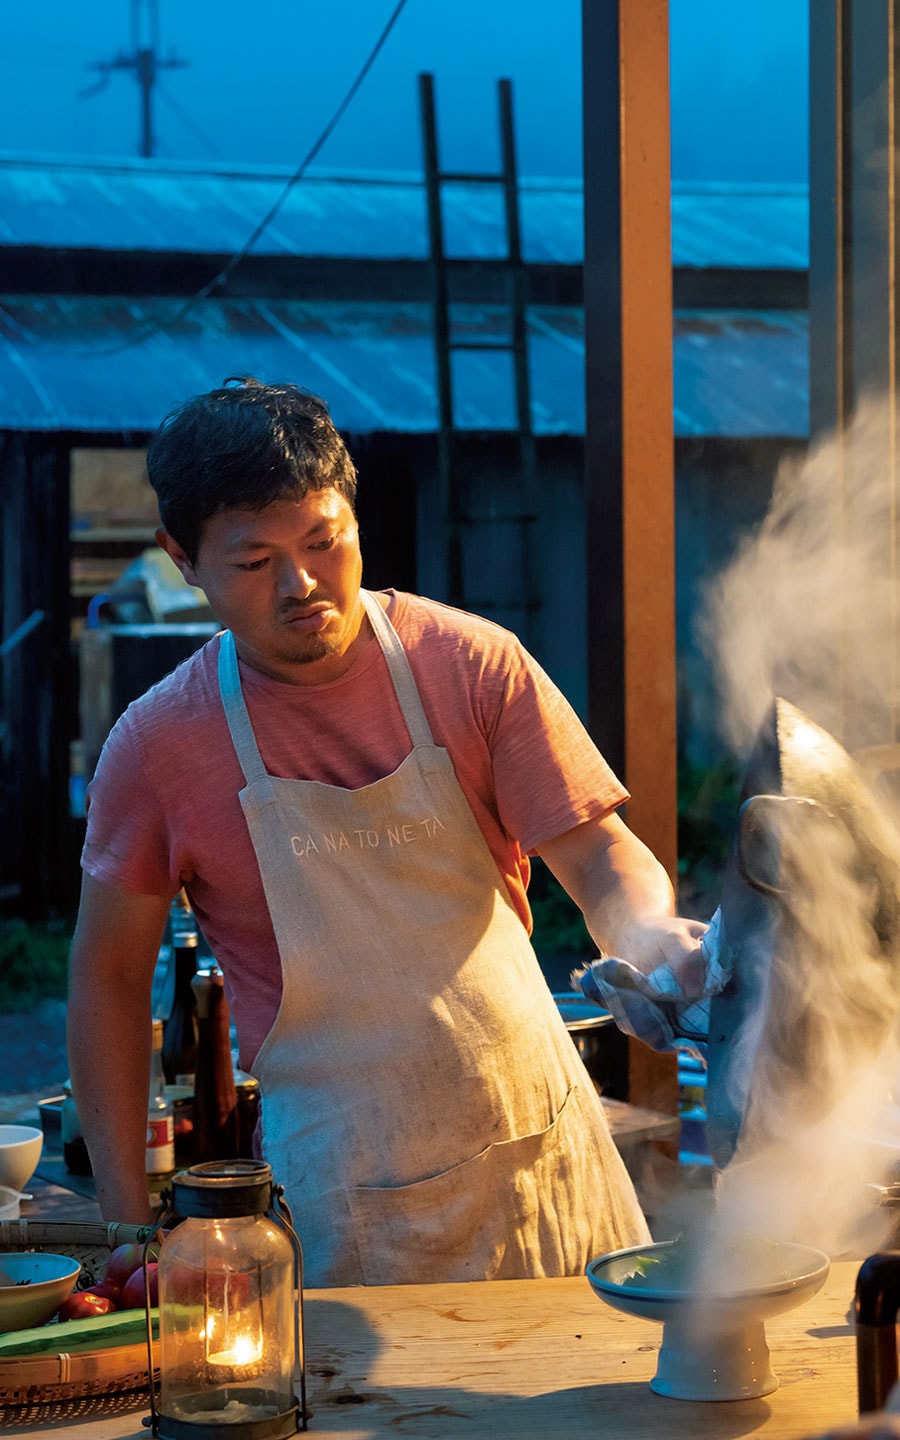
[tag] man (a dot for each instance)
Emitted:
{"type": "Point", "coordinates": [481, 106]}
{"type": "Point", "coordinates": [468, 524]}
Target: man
{"type": "Point", "coordinates": [347, 785]}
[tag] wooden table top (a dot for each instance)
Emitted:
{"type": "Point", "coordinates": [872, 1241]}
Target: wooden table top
{"type": "Point", "coordinates": [515, 1359]}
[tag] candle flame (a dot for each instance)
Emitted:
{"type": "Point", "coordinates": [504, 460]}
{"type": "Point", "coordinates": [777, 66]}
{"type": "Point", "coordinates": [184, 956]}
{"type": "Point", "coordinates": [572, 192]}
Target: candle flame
{"type": "Point", "coordinates": [246, 1350]}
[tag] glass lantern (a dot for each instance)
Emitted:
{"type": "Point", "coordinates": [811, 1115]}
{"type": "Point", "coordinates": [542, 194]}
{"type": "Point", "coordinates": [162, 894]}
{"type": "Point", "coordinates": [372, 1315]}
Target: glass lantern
{"type": "Point", "coordinates": [230, 1308]}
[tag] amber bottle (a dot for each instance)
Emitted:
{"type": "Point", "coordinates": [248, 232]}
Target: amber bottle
{"type": "Point", "coordinates": [179, 1053]}
{"type": "Point", "coordinates": [215, 1134]}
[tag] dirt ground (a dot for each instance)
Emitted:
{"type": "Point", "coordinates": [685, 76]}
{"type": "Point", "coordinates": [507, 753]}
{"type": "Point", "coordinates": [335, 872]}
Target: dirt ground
{"type": "Point", "coordinates": [33, 1061]}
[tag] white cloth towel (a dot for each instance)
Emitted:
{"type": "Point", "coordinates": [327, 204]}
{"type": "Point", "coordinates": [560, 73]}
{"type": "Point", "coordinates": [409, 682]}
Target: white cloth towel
{"type": "Point", "coordinates": [653, 1007]}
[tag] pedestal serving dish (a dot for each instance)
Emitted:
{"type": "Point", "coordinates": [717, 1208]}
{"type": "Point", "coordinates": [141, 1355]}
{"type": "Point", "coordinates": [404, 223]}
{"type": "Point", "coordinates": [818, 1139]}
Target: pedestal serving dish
{"type": "Point", "coordinates": [713, 1304]}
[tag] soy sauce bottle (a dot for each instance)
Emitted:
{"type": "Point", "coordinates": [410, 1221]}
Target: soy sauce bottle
{"type": "Point", "coordinates": [179, 1052]}
{"type": "Point", "coordinates": [215, 1135]}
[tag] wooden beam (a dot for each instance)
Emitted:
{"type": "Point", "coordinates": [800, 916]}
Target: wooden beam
{"type": "Point", "coordinates": [629, 442]}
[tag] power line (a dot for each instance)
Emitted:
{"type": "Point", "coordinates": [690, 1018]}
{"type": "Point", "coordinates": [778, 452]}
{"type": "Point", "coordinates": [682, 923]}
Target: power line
{"type": "Point", "coordinates": [223, 276]}
{"type": "Point", "coordinates": [190, 123]}
{"type": "Point", "coordinates": [265, 222]}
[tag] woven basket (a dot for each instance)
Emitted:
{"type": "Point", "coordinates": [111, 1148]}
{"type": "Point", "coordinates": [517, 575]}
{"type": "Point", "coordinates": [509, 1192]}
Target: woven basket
{"type": "Point", "coordinates": [40, 1379]}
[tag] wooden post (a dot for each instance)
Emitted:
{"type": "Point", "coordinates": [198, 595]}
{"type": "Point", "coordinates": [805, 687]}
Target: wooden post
{"type": "Point", "coordinates": [629, 442]}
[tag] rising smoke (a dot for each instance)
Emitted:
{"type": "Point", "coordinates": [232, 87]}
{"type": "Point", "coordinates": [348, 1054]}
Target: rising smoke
{"type": "Point", "coordinates": [809, 611]}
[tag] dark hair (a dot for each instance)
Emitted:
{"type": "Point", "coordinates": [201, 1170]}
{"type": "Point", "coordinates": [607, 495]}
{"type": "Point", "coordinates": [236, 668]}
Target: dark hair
{"type": "Point", "coordinates": [242, 447]}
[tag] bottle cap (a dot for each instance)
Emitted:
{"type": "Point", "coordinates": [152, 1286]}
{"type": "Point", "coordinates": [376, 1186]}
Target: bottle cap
{"type": "Point", "coordinates": [243, 1081]}
{"type": "Point", "coordinates": [207, 984]}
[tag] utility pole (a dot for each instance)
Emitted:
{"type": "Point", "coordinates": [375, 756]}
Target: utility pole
{"type": "Point", "coordinates": [145, 63]}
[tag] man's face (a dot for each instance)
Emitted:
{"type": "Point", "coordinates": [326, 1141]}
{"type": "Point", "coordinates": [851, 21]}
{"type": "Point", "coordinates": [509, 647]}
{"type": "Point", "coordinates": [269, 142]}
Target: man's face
{"type": "Point", "coordinates": [285, 580]}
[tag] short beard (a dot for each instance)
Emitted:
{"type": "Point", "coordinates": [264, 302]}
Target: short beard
{"type": "Point", "coordinates": [316, 649]}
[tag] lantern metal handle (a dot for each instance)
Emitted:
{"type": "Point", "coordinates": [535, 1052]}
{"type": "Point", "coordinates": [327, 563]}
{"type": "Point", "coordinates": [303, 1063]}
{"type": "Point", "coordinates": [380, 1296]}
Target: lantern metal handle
{"type": "Point", "coordinates": [166, 1214]}
{"type": "Point", "coordinates": [281, 1214]}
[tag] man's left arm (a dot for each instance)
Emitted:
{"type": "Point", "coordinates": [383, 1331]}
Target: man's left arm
{"type": "Point", "coordinates": [626, 898]}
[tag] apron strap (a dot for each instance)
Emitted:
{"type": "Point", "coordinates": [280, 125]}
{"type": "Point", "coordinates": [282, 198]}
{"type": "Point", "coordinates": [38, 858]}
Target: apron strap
{"type": "Point", "coordinates": [235, 706]}
{"type": "Point", "coordinates": [400, 672]}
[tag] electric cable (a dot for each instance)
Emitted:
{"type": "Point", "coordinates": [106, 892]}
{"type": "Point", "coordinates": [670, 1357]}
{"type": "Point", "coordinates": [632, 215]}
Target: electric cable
{"type": "Point", "coordinates": [188, 121]}
{"type": "Point", "coordinates": [228, 269]}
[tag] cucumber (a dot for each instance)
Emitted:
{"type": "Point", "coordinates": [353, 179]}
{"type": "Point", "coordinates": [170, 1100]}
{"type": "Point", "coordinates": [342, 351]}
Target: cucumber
{"type": "Point", "coordinates": [97, 1332]}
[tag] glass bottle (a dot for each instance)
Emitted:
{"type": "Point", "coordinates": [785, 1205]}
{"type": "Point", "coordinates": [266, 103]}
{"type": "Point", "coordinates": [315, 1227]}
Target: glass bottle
{"type": "Point", "coordinates": [179, 1052]}
{"type": "Point", "coordinates": [160, 1152]}
{"type": "Point", "coordinates": [247, 1091]}
{"type": "Point", "coordinates": [215, 1134]}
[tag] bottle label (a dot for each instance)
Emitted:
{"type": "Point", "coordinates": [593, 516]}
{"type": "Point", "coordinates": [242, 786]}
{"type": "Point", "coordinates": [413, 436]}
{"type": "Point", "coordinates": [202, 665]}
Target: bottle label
{"type": "Point", "coordinates": [160, 1144]}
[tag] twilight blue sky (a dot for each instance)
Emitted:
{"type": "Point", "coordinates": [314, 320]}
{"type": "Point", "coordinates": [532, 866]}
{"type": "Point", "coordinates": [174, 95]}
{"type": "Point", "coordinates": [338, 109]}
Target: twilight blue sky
{"type": "Point", "coordinates": [260, 91]}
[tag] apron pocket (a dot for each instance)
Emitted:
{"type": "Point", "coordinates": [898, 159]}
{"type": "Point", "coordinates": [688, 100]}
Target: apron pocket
{"type": "Point", "coordinates": [497, 1215]}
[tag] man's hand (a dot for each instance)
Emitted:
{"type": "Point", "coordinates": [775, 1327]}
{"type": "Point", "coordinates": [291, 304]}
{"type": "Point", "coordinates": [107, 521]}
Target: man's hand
{"type": "Point", "coordinates": [668, 940]}
{"type": "Point", "coordinates": [627, 900]}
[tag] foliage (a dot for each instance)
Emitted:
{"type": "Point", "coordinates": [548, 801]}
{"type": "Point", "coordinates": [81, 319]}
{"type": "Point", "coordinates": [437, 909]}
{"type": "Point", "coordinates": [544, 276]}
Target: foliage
{"type": "Point", "coordinates": [559, 927]}
{"type": "Point", "coordinates": [33, 962]}
{"type": "Point", "coordinates": [708, 800]}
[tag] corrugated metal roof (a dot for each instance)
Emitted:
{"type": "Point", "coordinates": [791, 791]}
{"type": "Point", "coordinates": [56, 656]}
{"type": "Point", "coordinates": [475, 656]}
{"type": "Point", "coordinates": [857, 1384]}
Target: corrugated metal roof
{"type": "Point", "coordinates": [62, 366]}
{"type": "Point", "coordinates": [753, 227]}
{"type": "Point", "coordinates": [185, 208]}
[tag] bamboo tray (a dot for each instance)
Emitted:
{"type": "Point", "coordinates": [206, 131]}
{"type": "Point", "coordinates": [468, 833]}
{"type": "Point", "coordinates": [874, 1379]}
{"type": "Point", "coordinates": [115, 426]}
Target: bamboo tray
{"type": "Point", "coordinates": [41, 1379]}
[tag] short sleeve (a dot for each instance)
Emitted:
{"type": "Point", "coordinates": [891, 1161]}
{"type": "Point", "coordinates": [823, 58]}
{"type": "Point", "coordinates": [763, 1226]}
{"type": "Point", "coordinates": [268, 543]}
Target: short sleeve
{"type": "Point", "coordinates": [549, 775]}
{"type": "Point", "coordinates": [126, 841]}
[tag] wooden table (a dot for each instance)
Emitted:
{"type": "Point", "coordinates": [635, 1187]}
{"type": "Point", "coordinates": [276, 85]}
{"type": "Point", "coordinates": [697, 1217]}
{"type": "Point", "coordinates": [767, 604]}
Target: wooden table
{"type": "Point", "coordinates": [52, 1198]}
{"type": "Point", "coordinates": [509, 1360]}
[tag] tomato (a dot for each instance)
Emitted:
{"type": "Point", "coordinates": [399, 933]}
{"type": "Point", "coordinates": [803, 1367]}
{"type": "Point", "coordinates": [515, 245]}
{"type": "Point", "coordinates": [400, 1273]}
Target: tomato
{"type": "Point", "coordinates": [123, 1262]}
{"type": "Point", "coordinates": [83, 1305]}
{"type": "Point", "coordinates": [133, 1295]}
{"type": "Point", "coordinates": [110, 1289]}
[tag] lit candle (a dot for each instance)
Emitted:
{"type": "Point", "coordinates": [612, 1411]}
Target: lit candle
{"type": "Point", "coordinates": [239, 1349]}
{"type": "Point", "coordinates": [244, 1352]}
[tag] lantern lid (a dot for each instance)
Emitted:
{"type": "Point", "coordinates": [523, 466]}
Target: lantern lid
{"type": "Point", "coordinates": [222, 1190]}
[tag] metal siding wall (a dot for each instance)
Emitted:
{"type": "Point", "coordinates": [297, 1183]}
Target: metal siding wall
{"type": "Point", "coordinates": [37, 850]}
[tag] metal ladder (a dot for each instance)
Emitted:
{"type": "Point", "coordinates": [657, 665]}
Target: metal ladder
{"type": "Point", "coordinates": [458, 517]}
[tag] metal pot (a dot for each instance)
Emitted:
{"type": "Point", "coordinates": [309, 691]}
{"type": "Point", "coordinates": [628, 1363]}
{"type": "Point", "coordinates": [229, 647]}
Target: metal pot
{"type": "Point", "coordinates": [599, 1042]}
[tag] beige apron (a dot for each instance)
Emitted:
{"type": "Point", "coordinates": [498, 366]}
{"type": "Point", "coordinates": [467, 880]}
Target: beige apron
{"type": "Point", "coordinates": [423, 1104]}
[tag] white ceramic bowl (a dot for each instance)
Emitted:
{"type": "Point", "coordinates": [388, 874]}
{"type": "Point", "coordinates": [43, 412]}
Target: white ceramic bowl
{"type": "Point", "coordinates": [41, 1283]}
{"type": "Point", "coordinates": [714, 1344]}
{"type": "Point", "coordinates": [20, 1151]}
{"type": "Point", "coordinates": [9, 1202]}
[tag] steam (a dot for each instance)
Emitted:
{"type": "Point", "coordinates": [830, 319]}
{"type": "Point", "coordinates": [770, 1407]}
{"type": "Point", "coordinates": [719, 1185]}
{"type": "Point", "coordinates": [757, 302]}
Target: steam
{"type": "Point", "coordinates": [809, 611]}
{"type": "Point", "coordinates": [808, 607]}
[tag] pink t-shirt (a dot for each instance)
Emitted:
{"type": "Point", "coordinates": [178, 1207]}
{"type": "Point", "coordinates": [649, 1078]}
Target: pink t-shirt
{"type": "Point", "coordinates": [163, 807]}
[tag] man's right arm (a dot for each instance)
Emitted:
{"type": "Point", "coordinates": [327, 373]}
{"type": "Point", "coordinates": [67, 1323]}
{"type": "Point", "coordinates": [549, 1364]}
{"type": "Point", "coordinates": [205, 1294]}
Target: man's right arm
{"type": "Point", "coordinates": [114, 950]}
